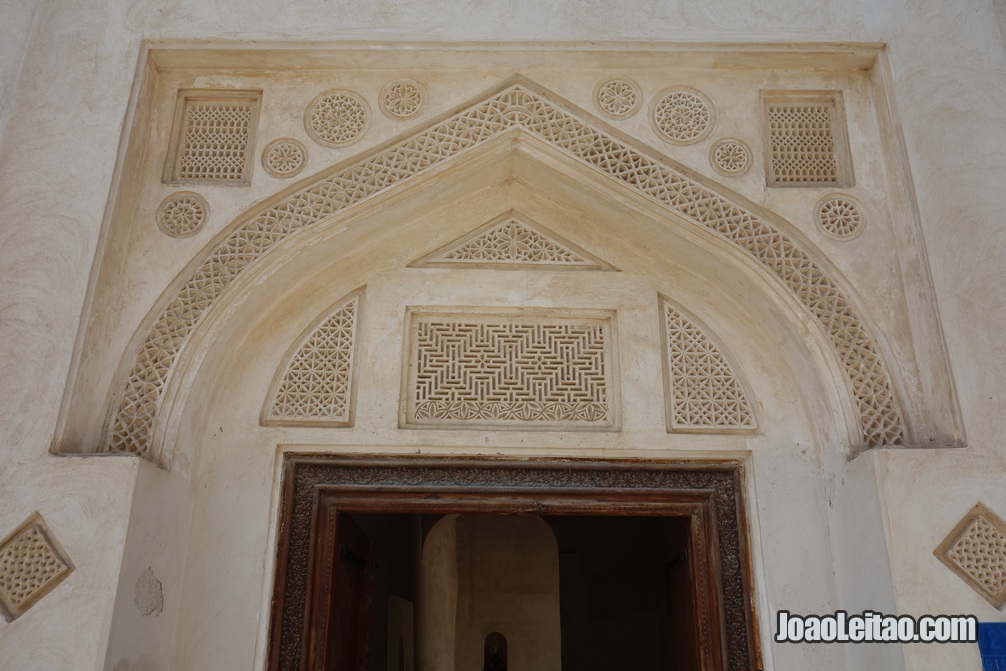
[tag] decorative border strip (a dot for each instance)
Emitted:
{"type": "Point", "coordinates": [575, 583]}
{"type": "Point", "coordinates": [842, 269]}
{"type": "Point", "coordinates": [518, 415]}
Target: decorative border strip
{"type": "Point", "coordinates": [136, 405]}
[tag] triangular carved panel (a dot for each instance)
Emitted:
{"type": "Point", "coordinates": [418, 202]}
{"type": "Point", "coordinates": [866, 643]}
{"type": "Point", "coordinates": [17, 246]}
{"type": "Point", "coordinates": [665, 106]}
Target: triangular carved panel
{"type": "Point", "coordinates": [702, 391]}
{"type": "Point", "coordinates": [512, 240]}
{"type": "Point", "coordinates": [314, 387]}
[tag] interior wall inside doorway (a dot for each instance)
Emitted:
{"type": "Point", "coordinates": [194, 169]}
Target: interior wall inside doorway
{"type": "Point", "coordinates": [567, 592]}
{"type": "Point", "coordinates": [506, 581]}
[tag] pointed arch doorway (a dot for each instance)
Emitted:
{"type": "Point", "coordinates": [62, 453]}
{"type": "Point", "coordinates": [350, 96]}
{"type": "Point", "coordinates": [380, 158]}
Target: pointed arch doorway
{"type": "Point", "coordinates": [324, 496]}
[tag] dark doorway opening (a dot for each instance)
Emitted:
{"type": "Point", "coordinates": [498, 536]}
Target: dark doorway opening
{"type": "Point", "coordinates": [620, 588]}
{"type": "Point", "coordinates": [627, 593]}
{"type": "Point", "coordinates": [650, 563]}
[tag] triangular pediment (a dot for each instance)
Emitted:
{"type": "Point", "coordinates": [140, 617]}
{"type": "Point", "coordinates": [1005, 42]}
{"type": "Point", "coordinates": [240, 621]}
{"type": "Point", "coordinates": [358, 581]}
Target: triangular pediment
{"type": "Point", "coordinates": [514, 241]}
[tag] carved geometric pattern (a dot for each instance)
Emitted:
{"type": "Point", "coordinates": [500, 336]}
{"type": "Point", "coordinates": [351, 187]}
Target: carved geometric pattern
{"type": "Point", "coordinates": [618, 97]}
{"type": "Point", "coordinates": [840, 216]}
{"type": "Point", "coordinates": [402, 99]}
{"type": "Point", "coordinates": [515, 106]}
{"type": "Point", "coordinates": [315, 387]}
{"type": "Point", "coordinates": [806, 140]}
{"type": "Point", "coordinates": [211, 137]}
{"type": "Point", "coordinates": [284, 157]}
{"type": "Point", "coordinates": [682, 115]}
{"type": "Point", "coordinates": [730, 156]}
{"type": "Point", "coordinates": [702, 392]}
{"type": "Point", "coordinates": [976, 551]}
{"type": "Point", "coordinates": [182, 214]}
{"type": "Point", "coordinates": [31, 565]}
{"type": "Point", "coordinates": [511, 241]}
{"type": "Point", "coordinates": [337, 118]}
{"type": "Point", "coordinates": [515, 370]}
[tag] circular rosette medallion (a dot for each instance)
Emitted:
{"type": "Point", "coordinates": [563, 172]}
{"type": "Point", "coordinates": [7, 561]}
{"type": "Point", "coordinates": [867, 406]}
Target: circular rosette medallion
{"type": "Point", "coordinates": [840, 216]}
{"type": "Point", "coordinates": [402, 99]}
{"type": "Point", "coordinates": [730, 156]}
{"type": "Point", "coordinates": [682, 115]}
{"type": "Point", "coordinates": [284, 157]}
{"type": "Point", "coordinates": [337, 118]}
{"type": "Point", "coordinates": [182, 214]}
{"type": "Point", "coordinates": [618, 97]}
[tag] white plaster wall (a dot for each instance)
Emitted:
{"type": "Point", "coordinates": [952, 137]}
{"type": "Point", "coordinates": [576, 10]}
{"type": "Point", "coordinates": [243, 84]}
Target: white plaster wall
{"type": "Point", "coordinates": [15, 31]}
{"type": "Point", "coordinates": [62, 127]}
{"type": "Point", "coordinates": [86, 504]}
{"type": "Point", "coordinates": [157, 535]}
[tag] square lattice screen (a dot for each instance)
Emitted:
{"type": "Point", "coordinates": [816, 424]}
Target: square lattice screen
{"type": "Point", "coordinates": [212, 137]}
{"type": "Point", "coordinates": [806, 140]}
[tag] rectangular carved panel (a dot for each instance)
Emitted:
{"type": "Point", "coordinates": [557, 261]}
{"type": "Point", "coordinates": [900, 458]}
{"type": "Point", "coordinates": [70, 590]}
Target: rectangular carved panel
{"type": "Point", "coordinates": [807, 140]}
{"type": "Point", "coordinates": [212, 137]}
{"type": "Point", "coordinates": [526, 369]}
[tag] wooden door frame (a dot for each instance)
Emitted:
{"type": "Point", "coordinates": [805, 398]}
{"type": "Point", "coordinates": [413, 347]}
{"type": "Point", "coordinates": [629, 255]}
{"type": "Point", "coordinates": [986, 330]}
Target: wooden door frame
{"type": "Point", "coordinates": [710, 493]}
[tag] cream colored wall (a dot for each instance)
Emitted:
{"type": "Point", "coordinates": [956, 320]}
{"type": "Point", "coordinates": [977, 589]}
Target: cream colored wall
{"type": "Point", "coordinates": [438, 597]}
{"type": "Point", "coordinates": [482, 574]}
{"type": "Point", "coordinates": [63, 123]}
{"type": "Point", "coordinates": [508, 582]}
{"type": "Point", "coordinates": [155, 547]}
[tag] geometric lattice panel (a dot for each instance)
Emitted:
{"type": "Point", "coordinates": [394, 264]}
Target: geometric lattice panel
{"type": "Point", "coordinates": [212, 136]}
{"type": "Point", "coordinates": [133, 414]}
{"type": "Point", "coordinates": [807, 143]}
{"type": "Point", "coordinates": [315, 385]}
{"type": "Point", "coordinates": [976, 551]}
{"type": "Point", "coordinates": [701, 392]}
{"type": "Point", "coordinates": [512, 241]}
{"type": "Point", "coordinates": [522, 370]}
{"type": "Point", "coordinates": [31, 565]}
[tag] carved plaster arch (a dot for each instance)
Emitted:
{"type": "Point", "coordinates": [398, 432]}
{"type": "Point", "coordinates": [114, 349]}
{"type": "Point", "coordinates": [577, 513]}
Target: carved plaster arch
{"type": "Point", "coordinates": [519, 105]}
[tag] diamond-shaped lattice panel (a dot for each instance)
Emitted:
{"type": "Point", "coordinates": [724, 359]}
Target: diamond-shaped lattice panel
{"type": "Point", "coordinates": [31, 565]}
{"type": "Point", "coordinates": [976, 551]}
